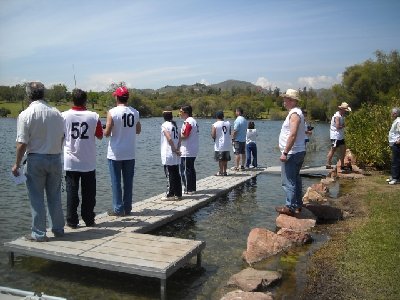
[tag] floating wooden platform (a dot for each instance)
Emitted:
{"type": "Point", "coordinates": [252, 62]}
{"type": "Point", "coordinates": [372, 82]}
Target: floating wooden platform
{"type": "Point", "coordinates": [319, 171]}
{"type": "Point", "coordinates": [119, 243]}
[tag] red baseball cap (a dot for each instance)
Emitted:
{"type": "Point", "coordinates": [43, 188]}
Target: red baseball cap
{"type": "Point", "coordinates": [121, 91]}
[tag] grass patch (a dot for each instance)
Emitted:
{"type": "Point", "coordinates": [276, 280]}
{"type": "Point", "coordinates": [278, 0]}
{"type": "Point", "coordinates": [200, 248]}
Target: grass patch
{"type": "Point", "coordinates": [371, 256]}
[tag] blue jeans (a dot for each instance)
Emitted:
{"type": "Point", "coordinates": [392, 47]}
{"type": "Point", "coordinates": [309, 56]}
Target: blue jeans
{"type": "Point", "coordinates": [43, 174]}
{"type": "Point", "coordinates": [122, 202]}
{"type": "Point", "coordinates": [188, 173]}
{"type": "Point", "coordinates": [395, 170]}
{"type": "Point", "coordinates": [291, 180]}
{"type": "Point", "coordinates": [251, 150]}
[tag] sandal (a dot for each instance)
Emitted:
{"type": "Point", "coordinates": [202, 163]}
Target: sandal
{"type": "Point", "coordinates": [225, 174]}
{"type": "Point", "coordinates": [328, 167]}
{"type": "Point", "coordinates": [219, 174]}
{"type": "Point", "coordinates": [284, 210]}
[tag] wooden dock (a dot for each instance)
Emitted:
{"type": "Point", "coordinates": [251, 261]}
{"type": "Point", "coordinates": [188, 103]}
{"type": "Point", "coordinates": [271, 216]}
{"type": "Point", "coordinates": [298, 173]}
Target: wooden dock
{"type": "Point", "coordinates": [308, 171]}
{"type": "Point", "coordinates": [119, 243]}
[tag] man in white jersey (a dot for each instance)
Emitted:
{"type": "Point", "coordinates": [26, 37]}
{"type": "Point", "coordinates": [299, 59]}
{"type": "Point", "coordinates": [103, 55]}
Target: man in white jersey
{"type": "Point", "coordinates": [122, 127]}
{"type": "Point", "coordinates": [170, 156]}
{"type": "Point", "coordinates": [40, 134]}
{"type": "Point", "coordinates": [337, 136]}
{"type": "Point", "coordinates": [189, 141]}
{"type": "Point", "coordinates": [221, 133]}
{"type": "Point", "coordinates": [293, 151]}
{"type": "Point", "coordinates": [81, 127]}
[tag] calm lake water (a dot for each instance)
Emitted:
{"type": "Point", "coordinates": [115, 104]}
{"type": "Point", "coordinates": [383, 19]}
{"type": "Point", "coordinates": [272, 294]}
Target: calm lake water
{"type": "Point", "coordinates": [224, 224]}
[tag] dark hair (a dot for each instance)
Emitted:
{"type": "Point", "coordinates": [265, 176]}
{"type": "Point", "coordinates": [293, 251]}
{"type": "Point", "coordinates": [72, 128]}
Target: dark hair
{"type": "Point", "coordinates": [239, 109]}
{"type": "Point", "coordinates": [123, 99]}
{"type": "Point", "coordinates": [35, 90]}
{"type": "Point", "coordinates": [168, 117]}
{"type": "Point", "coordinates": [251, 125]}
{"type": "Point", "coordinates": [187, 109]}
{"type": "Point", "coordinates": [219, 115]}
{"type": "Point", "coordinates": [79, 97]}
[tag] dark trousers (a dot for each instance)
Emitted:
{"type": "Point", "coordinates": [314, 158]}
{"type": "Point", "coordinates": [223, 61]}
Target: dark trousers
{"type": "Point", "coordinates": [396, 161]}
{"type": "Point", "coordinates": [88, 192]}
{"type": "Point", "coordinates": [188, 173]}
{"type": "Point", "coordinates": [251, 150]}
{"type": "Point", "coordinates": [174, 181]}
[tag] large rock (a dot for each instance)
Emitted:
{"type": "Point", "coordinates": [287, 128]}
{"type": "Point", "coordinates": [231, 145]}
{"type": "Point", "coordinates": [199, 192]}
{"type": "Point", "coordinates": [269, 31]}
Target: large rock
{"type": "Point", "coordinates": [312, 195]}
{"type": "Point", "coordinates": [262, 243]}
{"type": "Point", "coordinates": [325, 212]}
{"type": "Point", "coordinates": [252, 280]}
{"type": "Point", "coordinates": [320, 188]}
{"type": "Point", "coordinates": [240, 295]}
{"type": "Point", "coordinates": [296, 237]}
{"type": "Point", "coordinates": [300, 222]}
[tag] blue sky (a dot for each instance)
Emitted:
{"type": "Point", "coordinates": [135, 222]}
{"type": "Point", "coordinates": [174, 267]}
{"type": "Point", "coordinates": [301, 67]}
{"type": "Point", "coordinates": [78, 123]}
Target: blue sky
{"type": "Point", "coordinates": [151, 43]}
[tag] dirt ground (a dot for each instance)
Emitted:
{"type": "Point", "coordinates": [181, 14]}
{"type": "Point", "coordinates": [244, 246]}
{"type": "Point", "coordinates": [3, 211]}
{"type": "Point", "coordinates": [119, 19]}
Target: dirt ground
{"type": "Point", "coordinates": [323, 279]}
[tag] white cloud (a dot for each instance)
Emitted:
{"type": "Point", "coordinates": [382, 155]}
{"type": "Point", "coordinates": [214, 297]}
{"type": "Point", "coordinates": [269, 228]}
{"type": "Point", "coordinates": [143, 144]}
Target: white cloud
{"type": "Point", "coordinates": [317, 81]}
{"type": "Point", "coordinates": [205, 82]}
{"type": "Point", "coordinates": [263, 82]}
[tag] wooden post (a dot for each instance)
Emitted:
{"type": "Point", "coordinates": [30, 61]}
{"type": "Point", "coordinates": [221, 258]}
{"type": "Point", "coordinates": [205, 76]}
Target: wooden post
{"type": "Point", "coordinates": [163, 289]}
{"type": "Point", "coordinates": [198, 263]}
{"type": "Point", "coordinates": [11, 258]}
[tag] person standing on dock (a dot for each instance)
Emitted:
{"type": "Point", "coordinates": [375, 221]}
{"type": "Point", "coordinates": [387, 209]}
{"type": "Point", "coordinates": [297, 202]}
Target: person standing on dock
{"type": "Point", "coordinates": [239, 139]}
{"type": "Point", "coordinates": [251, 145]}
{"type": "Point", "coordinates": [189, 148]}
{"type": "Point", "coordinates": [293, 151]}
{"type": "Point", "coordinates": [82, 127]}
{"type": "Point", "coordinates": [40, 133]}
{"type": "Point", "coordinates": [221, 132]}
{"type": "Point", "coordinates": [394, 143]}
{"type": "Point", "coordinates": [170, 156]}
{"type": "Point", "coordinates": [122, 126]}
{"type": "Point", "coordinates": [337, 136]}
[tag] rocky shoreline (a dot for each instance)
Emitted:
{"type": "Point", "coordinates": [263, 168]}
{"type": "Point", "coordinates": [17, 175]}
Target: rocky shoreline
{"type": "Point", "coordinates": [256, 284]}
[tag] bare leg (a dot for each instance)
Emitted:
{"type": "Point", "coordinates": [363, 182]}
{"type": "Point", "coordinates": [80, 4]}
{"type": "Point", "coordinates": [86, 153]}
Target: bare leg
{"type": "Point", "coordinates": [342, 152]}
{"type": "Point", "coordinates": [330, 155]}
{"type": "Point", "coordinates": [243, 159]}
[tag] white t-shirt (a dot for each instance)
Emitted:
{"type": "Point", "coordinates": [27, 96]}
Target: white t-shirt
{"type": "Point", "coordinates": [122, 144]}
{"type": "Point", "coordinates": [337, 134]}
{"type": "Point", "coordinates": [394, 132]}
{"type": "Point", "coordinates": [41, 128]}
{"type": "Point", "coordinates": [299, 145]}
{"type": "Point", "coordinates": [222, 136]}
{"type": "Point", "coordinates": [190, 145]}
{"type": "Point", "coordinates": [80, 141]}
{"type": "Point", "coordinates": [168, 157]}
{"type": "Point", "coordinates": [251, 136]}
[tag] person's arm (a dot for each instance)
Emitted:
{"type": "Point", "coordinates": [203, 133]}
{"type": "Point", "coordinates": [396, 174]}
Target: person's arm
{"type": "Point", "coordinates": [337, 123]}
{"type": "Point", "coordinates": [213, 132]}
{"type": "Point", "coordinates": [171, 142]}
{"type": "Point", "coordinates": [294, 124]}
{"type": "Point", "coordinates": [99, 130]}
{"type": "Point", "coordinates": [109, 125]}
{"type": "Point", "coordinates": [186, 129]}
{"type": "Point", "coordinates": [20, 151]}
{"type": "Point", "coordinates": [138, 128]}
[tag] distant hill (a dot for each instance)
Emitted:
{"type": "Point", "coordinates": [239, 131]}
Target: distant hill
{"type": "Point", "coordinates": [231, 83]}
{"type": "Point", "coordinates": [227, 85]}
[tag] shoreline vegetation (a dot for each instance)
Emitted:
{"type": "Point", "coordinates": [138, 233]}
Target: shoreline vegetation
{"type": "Point", "coordinates": [361, 258]}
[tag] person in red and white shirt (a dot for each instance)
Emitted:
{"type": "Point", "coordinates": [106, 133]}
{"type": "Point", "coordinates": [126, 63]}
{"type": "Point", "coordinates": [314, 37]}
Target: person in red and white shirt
{"type": "Point", "coordinates": [81, 128]}
{"type": "Point", "coordinates": [189, 148]}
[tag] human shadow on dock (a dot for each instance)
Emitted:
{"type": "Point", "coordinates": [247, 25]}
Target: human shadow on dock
{"type": "Point", "coordinates": [85, 234]}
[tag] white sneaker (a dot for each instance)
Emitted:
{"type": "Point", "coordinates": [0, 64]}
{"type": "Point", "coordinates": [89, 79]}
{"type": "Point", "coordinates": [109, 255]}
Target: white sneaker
{"type": "Point", "coordinates": [393, 181]}
{"type": "Point", "coordinates": [389, 179]}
